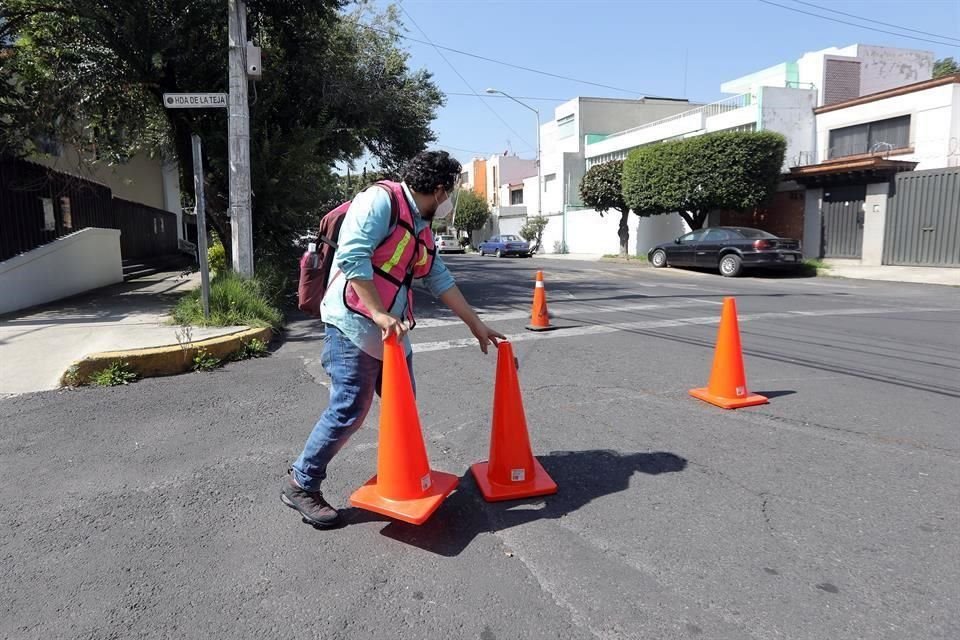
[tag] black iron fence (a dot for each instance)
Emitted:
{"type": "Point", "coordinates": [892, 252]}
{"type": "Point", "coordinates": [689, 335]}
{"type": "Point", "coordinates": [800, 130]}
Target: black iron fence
{"type": "Point", "coordinates": [145, 232]}
{"type": "Point", "coordinates": [39, 205]}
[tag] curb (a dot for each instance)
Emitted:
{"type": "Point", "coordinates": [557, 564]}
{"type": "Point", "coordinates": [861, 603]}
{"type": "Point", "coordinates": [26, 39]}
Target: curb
{"type": "Point", "coordinates": [167, 360]}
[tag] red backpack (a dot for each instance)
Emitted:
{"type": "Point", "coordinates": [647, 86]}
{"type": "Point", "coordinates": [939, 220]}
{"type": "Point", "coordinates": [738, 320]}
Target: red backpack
{"type": "Point", "coordinates": [317, 261]}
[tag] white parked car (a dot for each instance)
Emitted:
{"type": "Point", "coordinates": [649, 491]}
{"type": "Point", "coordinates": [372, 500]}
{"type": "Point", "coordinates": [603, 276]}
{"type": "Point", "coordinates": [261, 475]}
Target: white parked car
{"type": "Point", "coordinates": [448, 244]}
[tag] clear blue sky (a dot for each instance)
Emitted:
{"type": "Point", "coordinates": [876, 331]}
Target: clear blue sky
{"type": "Point", "coordinates": [639, 45]}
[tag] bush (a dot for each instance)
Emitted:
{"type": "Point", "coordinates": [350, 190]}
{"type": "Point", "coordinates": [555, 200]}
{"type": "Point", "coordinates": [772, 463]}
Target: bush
{"type": "Point", "coordinates": [118, 373]}
{"type": "Point", "coordinates": [532, 231]}
{"type": "Point", "coordinates": [733, 170]}
{"type": "Point", "coordinates": [234, 301]}
{"type": "Point", "coordinates": [217, 257]}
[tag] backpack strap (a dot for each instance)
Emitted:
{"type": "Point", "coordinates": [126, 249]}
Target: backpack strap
{"type": "Point", "coordinates": [394, 219]}
{"type": "Point", "coordinates": [394, 205]}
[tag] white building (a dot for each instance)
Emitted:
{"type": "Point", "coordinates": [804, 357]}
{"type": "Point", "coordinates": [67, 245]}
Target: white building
{"type": "Point", "coordinates": [781, 98]}
{"type": "Point", "coordinates": [862, 144]}
{"type": "Point", "coordinates": [563, 141]}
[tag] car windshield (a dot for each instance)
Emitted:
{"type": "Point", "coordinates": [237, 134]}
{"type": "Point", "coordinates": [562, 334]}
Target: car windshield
{"type": "Point", "coordinates": [510, 239]}
{"type": "Point", "coordinates": [755, 233]}
{"type": "Point", "coordinates": [447, 238]}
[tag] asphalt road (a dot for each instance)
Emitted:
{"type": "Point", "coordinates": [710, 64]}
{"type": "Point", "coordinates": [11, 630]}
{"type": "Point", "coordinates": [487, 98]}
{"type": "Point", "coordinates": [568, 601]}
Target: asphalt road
{"type": "Point", "coordinates": [152, 511]}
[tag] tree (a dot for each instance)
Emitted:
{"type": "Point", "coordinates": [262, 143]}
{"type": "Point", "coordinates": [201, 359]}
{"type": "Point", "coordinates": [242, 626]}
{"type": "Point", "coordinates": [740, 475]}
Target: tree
{"type": "Point", "coordinates": [945, 67]}
{"type": "Point", "coordinates": [91, 73]}
{"type": "Point", "coordinates": [601, 189]}
{"type": "Point", "coordinates": [471, 213]}
{"type": "Point", "coordinates": [532, 231]}
{"type": "Point", "coordinates": [737, 171]}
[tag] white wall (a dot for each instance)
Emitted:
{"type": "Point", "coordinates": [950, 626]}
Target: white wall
{"type": "Point", "coordinates": [84, 260]}
{"type": "Point", "coordinates": [790, 112]}
{"type": "Point", "coordinates": [883, 68]}
{"type": "Point", "coordinates": [932, 118]}
{"type": "Point", "coordinates": [654, 230]}
{"type": "Point", "coordinates": [953, 147]}
{"type": "Point", "coordinates": [171, 192]}
{"type": "Point", "coordinates": [508, 169]}
{"type": "Point", "coordinates": [874, 223]}
{"type": "Point", "coordinates": [141, 179]}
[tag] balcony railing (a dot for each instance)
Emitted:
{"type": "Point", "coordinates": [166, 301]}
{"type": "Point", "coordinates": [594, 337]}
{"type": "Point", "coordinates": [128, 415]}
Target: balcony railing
{"type": "Point", "coordinates": [714, 108]}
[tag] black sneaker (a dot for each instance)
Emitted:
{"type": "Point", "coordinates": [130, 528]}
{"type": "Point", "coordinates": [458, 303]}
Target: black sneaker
{"type": "Point", "coordinates": [311, 505]}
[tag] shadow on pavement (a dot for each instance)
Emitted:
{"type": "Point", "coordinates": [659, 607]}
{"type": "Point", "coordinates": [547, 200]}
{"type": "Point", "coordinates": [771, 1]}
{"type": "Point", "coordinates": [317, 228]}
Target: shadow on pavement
{"type": "Point", "coordinates": [581, 477]}
{"type": "Point", "coordinates": [775, 394]}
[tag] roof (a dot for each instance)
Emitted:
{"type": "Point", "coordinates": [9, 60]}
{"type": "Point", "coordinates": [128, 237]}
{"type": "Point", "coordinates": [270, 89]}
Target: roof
{"type": "Point", "coordinates": [891, 93]}
{"type": "Point", "coordinates": [862, 169]}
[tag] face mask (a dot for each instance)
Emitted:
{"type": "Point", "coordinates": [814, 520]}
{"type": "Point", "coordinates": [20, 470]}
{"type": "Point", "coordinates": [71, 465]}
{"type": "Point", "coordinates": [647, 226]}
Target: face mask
{"type": "Point", "coordinates": [444, 209]}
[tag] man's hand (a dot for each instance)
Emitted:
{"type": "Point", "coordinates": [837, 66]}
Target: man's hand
{"type": "Point", "coordinates": [389, 324]}
{"type": "Point", "coordinates": [485, 335]}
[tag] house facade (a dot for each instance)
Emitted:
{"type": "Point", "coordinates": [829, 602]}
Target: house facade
{"type": "Point", "coordinates": [833, 106]}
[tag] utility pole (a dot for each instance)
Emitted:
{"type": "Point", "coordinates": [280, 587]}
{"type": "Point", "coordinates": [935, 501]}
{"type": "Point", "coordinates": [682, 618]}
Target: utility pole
{"type": "Point", "coordinates": [238, 142]}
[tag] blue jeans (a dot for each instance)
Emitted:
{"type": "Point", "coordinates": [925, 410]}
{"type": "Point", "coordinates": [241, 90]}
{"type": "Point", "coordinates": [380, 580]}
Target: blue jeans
{"type": "Point", "coordinates": [354, 377]}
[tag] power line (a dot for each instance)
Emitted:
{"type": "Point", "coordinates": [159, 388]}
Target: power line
{"type": "Point", "coordinates": [504, 63]}
{"type": "Point", "coordinates": [472, 95]}
{"type": "Point", "coordinates": [886, 24]}
{"type": "Point", "coordinates": [465, 81]}
{"type": "Point", "coordinates": [854, 24]}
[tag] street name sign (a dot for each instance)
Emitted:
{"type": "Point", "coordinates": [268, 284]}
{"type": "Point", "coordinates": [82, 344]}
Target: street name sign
{"type": "Point", "coordinates": [194, 100]}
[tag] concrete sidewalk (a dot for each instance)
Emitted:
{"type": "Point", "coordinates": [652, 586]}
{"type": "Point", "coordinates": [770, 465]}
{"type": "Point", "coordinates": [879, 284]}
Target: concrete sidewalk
{"type": "Point", "coordinates": [37, 347]}
{"type": "Point", "coordinates": [922, 275]}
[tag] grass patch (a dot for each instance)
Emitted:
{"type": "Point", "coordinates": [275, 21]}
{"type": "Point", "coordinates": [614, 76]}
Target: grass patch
{"type": "Point", "coordinates": [117, 374]}
{"type": "Point", "coordinates": [253, 348]}
{"type": "Point", "coordinates": [813, 266]}
{"type": "Point", "coordinates": [629, 258]}
{"type": "Point", "coordinates": [234, 301]}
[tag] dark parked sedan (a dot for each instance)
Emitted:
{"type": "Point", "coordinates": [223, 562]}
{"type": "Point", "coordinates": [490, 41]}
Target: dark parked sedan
{"type": "Point", "coordinates": [506, 245]}
{"type": "Point", "coordinates": [729, 249]}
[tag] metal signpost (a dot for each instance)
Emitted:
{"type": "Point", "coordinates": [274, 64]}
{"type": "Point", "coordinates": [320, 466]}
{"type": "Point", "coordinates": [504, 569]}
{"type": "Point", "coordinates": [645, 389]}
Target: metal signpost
{"type": "Point", "coordinates": [199, 101]}
{"type": "Point", "coordinates": [201, 225]}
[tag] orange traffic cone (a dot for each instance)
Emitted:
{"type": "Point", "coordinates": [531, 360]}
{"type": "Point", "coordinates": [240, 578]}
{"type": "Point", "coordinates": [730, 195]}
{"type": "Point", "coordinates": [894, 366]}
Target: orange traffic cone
{"type": "Point", "coordinates": [404, 488]}
{"type": "Point", "coordinates": [728, 382]}
{"type": "Point", "coordinates": [512, 471]}
{"type": "Point", "coordinates": [539, 318]}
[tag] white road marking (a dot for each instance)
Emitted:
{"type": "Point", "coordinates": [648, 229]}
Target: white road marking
{"type": "Point", "coordinates": [441, 345]}
{"type": "Point", "coordinates": [567, 310]}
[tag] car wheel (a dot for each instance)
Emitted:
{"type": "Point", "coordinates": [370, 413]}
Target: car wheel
{"type": "Point", "coordinates": [499, 253]}
{"type": "Point", "coordinates": [730, 265]}
{"type": "Point", "coordinates": [659, 259]}
{"type": "Point", "coordinates": [482, 252]}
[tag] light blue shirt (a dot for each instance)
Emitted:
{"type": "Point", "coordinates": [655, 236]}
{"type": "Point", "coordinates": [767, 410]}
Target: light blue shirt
{"type": "Point", "coordinates": [365, 226]}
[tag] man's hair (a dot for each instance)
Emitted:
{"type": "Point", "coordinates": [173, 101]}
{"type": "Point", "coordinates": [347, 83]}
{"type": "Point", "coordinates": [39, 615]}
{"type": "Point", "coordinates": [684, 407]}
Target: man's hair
{"type": "Point", "coordinates": [430, 169]}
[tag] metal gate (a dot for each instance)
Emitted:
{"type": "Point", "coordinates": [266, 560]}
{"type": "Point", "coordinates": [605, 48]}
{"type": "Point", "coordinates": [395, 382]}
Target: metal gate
{"type": "Point", "coordinates": [923, 219]}
{"type": "Point", "coordinates": [842, 220]}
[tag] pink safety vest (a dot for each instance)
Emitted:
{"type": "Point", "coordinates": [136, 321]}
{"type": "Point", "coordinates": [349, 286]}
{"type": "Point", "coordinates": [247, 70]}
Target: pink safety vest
{"type": "Point", "coordinates": [402, 256]}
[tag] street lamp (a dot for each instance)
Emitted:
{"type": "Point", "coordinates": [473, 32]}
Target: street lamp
{"type": "Point", "coordinates": [539, 173]}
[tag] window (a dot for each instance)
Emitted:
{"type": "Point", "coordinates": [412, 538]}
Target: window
{"type": "Point", "coordinates": [755, 234]}
{"type": "Point", "coordinates": [547, 179]}
{"type": "Point", "coordinates": [66, 213]}
{"type": "Point", "coordinates": [566, 126]}
{"type": "Point", "coordinates": [696, 236]}
{"type": "Point", "coordinates": [49, 217]}
{"type": "Point", "coordinates": [883, 135]}
{"type": "Point", "coordinates": [716, 235]}
{"type": "Point", "coordinates": [516, 196]}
